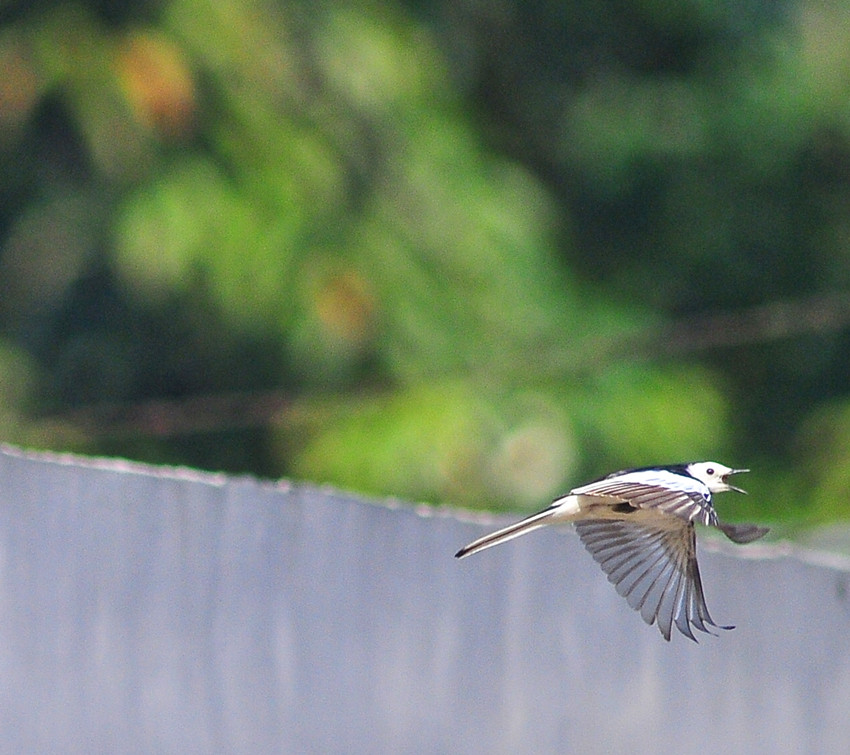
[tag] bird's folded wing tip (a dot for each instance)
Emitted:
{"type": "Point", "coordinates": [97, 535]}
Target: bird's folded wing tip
{"type": "Point", "coordinates": [743, 533]}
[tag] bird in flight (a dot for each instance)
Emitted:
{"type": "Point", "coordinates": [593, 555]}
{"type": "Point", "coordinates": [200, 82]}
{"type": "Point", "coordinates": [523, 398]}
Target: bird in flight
{"type": "Point", "coordinates": [638, 524]}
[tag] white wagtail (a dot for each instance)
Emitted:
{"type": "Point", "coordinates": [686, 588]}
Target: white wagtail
{"type": "Point", "coordinates": [638, 525]}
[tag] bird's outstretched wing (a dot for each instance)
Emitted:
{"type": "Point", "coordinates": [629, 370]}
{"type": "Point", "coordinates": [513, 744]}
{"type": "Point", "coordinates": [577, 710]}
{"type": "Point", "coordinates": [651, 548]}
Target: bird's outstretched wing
{"type": "Point", "coordinates": [653, 565]}
{"type": "Point", "coordinates": [660, 489]}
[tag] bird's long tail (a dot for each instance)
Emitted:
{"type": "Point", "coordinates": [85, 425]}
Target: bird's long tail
{"type": "Point", "coordinates": [508, 533]}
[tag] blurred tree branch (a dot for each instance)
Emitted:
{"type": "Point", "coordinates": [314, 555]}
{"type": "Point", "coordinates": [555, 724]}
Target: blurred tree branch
{"type": "Point", "coordinates": [779, 320]}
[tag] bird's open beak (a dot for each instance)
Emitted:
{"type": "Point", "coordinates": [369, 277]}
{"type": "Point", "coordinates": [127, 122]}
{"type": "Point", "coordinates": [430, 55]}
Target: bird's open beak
{"type": "Point", "coordinates": [729, 474]}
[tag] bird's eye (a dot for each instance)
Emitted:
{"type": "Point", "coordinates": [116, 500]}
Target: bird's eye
{"type": "Point", "coordinates": [709, 471]}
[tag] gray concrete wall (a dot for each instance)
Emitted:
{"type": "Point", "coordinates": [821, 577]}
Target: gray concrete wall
{"type": "Point", "coordinates": [157, 611]}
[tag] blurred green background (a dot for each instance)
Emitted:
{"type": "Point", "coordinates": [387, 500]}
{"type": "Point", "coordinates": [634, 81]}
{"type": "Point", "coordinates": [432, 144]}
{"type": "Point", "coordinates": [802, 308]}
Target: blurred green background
{"type": "Point", "coordinates": [462, 252]}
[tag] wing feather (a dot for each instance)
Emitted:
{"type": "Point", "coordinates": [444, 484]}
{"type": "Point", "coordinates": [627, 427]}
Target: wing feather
{"type": "Point", "coordinates": [661, 490]}
{"type": "Point", "coordinates": [652, 564]}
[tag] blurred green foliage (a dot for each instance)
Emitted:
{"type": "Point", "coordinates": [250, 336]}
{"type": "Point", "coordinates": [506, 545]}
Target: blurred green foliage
{"type": "Point", "coordinates": [430, 249]}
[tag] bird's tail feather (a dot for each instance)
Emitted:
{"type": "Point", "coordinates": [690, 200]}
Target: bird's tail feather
{"type": "Point", "coordinates": [508, 533]}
